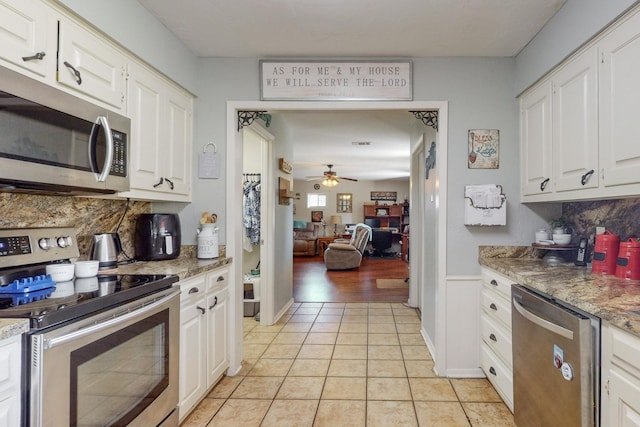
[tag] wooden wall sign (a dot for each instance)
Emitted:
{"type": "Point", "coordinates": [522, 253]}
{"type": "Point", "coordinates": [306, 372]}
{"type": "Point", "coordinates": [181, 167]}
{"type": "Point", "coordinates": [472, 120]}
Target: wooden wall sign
{"type": "Point", "coordinates": [336, 80]}
{"type": "Point", "coordinates": [284, 165]}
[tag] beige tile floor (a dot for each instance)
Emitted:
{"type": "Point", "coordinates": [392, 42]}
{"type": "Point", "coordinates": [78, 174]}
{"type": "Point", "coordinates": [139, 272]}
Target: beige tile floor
{"type": "Point", "coordinates": [354, 364]}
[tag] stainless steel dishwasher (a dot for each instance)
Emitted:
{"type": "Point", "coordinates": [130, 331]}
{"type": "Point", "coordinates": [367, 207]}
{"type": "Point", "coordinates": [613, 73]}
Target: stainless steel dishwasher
{"type": "Point", "coordinates": [556, 362]}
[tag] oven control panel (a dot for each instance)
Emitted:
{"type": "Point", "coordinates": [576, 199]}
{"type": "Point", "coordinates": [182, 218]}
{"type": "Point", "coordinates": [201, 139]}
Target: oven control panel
{"type": "Point", "coordinates": [23, 246]}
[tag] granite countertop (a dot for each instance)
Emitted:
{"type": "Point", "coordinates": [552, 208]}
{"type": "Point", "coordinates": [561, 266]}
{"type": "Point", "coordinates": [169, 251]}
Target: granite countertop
{"type": "Point", "coordinates": [612, 299]}
{"type": "Point", "coordinates": [183, 267]}
{"type": "Point", "coordinates": [12, 327]}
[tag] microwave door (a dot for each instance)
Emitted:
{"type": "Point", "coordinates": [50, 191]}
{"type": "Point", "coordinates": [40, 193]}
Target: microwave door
{"type": "Point", "coordinates": [101, 148]}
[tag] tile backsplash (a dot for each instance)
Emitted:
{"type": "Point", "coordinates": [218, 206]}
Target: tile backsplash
{"type": "Point", "coordinates": [621, 217]}
{"type": "Point", "coordinates": [88, 215]}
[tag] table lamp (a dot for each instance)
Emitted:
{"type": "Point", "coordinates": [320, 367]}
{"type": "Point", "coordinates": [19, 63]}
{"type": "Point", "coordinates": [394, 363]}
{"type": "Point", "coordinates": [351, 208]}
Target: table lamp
{"type": "Point", "coordinates": [335, 220]}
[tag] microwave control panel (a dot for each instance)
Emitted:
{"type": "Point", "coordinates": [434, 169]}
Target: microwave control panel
{"type": "Point", "coordinates": [119, 165]}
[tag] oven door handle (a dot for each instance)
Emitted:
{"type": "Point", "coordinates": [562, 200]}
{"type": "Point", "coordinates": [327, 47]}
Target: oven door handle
{"type": "Point", "coordinates": [80, 333]}
{"type": "Point", "coordinates": [543, 323]}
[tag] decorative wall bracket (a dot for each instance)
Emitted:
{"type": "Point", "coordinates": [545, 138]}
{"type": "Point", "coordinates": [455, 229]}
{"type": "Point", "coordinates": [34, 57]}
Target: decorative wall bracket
{"type": "Point", "coordinates": [429, 118]}
{"type": "Point", "coordinates": [245, 118]}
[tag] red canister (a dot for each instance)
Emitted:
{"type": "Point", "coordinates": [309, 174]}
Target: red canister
{"type": "Point", "coordinates": [628, 265]}
{"type": "Point", "coordinates": [605, 253]}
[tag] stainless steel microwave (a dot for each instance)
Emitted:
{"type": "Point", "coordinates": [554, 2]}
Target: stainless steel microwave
{"type": "Point", "coordinates": [54, 142]}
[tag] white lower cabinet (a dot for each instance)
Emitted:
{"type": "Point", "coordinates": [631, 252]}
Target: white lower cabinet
{"type": "Point", "coordinates": [204, 313]}
{"type": "Point", "coordinates": [496, 358]}
{"type": "Point", "coordinates": [620, 392]}
{"type": "Point", "coordinates": [10, 367]}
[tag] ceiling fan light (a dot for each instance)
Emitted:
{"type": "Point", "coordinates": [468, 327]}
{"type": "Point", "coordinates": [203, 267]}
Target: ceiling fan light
{"type": "Point", "coordinates": [329, 182]}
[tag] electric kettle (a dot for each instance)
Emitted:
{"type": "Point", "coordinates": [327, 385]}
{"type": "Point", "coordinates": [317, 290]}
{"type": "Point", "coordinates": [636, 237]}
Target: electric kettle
{"type": "Point", "coordinates": [105, 248]}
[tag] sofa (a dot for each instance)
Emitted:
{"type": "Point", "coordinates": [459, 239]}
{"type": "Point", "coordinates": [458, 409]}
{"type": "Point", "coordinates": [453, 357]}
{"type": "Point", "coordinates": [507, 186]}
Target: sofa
{"type": "Point", "coordinates": [305, 238]}
{"type": "Point", "coordinates": [345, 255]}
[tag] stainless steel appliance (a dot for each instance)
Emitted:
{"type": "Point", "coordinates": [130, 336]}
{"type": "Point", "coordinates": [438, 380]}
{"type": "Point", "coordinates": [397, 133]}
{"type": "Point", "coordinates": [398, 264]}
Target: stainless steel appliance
{"type": "Point", "coordinates": [101, 350]}
{"type": "Point", "coordinates": [157, 237]}
{"type": "Point", "coordinates": [105, 249]}
{"type": "Point", "coordinates": [556, 362]}
{"type": "Point", "coordinates": [53, 142]}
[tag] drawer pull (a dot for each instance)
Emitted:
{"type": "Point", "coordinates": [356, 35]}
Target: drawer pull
{"type": "Point", "coordinates": [220, 279]}
{"type": "Point", "coordinates": [493, 338]}
{"type": "Point", "coordinates": [492, 371]}
{"type": "Point", "coordinates": [493, 282]}
{"type": "Point", "coordinates": [493, 307]}
{"type": "Point", "coordinates": [194, 290]}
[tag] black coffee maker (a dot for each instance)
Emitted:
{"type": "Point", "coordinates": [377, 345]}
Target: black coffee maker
{"type": "Point", "coordinates": [157, 237]}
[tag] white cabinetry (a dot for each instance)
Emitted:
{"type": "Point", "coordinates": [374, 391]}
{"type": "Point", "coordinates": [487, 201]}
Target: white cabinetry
{"type": "Point", "coordinates": [161, 127]}
{"type": "Point", "coordinates": [41, 41]}
{"type": "Point", "coordinates": [204, 352]}
{"type": "Point", "coordinates": [620, 104]}
{"type": "Point", "coordinates": [495, 327]}
{"type": "Point", "coordinates": [559, 131]}
{"type": "Point", "coordinates": [586, 111]}
{"type": "Point", "coordinates": [27, 44]}
{"type": "Point", "coordinates": [535, 140]}
{"type": "Point", "coordinates": [89, 65]}
{"type": "Point", "coordinates": [620, 395]}
{"type": "Point", "coordinates": [575, 124]}
{"type": "Point", "coordinates": [10, 367]}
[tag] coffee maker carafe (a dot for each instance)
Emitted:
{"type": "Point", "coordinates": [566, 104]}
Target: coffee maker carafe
{"type": "Point", "coordinates": [105, 248]}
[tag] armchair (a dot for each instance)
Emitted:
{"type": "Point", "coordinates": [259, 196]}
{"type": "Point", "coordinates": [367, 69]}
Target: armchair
{"type": "Point", "coordinates": [344, 256]}
{"type": "Point", "coordinates": [305, 239]}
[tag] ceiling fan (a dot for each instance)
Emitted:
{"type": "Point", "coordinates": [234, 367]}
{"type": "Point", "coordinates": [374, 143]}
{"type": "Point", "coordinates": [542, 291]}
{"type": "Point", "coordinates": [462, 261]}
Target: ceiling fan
{"type": "Point", "coordinates": [330, 178]}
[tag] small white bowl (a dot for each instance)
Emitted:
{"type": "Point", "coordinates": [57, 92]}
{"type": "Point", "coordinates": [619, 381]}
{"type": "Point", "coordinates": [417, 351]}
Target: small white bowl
{"type": "Point", "coordinates": [60, 272]}
{"type": "Point", "coordinates": [87, 268]}
{"type": "Point", "coordinates": [562, 239]}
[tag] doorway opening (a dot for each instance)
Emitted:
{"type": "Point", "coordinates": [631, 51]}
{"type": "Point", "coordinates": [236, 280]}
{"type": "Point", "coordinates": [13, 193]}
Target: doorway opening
{"type": "Point", "coordinates": [280, 288]}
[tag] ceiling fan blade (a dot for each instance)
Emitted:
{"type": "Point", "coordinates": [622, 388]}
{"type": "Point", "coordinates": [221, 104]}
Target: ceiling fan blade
{"type": "Point", "coordinates": [348, 179]}
{"type": "Point", "coordinates": [314, 178]}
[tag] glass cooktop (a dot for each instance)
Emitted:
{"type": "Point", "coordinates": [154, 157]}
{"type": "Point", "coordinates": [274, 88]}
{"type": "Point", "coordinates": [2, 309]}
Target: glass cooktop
{"type": "Point", "coordinates": [81, 297]}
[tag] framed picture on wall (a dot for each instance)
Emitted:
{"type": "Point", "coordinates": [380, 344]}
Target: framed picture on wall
{"type": "Point", "coordinates": [316, 216]}
{"type": "Point", "coordinates": [484, 148]}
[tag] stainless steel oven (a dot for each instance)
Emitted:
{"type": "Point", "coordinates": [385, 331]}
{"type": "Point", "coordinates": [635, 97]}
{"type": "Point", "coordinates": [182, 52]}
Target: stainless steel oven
{"type": "Point", "coordinates": [101, 350]}
{"type": "Point", "coordinates": [116, 368]}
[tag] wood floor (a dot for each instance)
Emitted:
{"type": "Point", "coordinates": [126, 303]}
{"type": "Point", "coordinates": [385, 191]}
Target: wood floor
{"type": "Point", "coordinates": [312, 282]}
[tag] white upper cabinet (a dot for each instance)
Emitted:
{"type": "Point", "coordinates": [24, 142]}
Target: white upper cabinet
{"type": "Point", "coordinates": [161, 127]}
{"type": "Point", "coordinates": [535, 140]}
{"type": "Point", "coordinates": [27, 43]}
{"type": "Point", "coordinates": [89, 65]}
{"type": "Point", "coordinates": [575, 123]}
{"type": "Point", "coordinates": [620, 104]}
{"type": "Point", "coordinates": [586, 113]}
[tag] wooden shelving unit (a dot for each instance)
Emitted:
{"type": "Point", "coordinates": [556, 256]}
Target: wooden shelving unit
{"type": "Point", "coordinates": [390, 216]}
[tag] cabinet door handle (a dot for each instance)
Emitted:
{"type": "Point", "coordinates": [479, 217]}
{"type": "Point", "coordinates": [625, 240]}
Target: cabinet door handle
{"type": "Point", "coordinates": [170, 183]}
{"type": "Point", "coordinates": [543, 184]}
{"type": "Point", "coordinates": [493, 338]}
{"type": "Point", "coordinates": [493, 282]}
{"type": "Point", "coordinates": [492, 371]}
{"type": "Point", "coordinates": [75, 72]}
{"type": "Point", "coordinates": [215, 302]}
{"type": "Point", "coordinates": [586, 177]}
{"type": "Point", "coordinates": [38, 56]}
{"type": "Point", "coordinates": [194, 290]}
{"type": "Point", "coordinates": [159, 183]}
{"type": "Point", "coordinates": [201, 309]}
{"type": "Point", "coordinates": [493, 307]}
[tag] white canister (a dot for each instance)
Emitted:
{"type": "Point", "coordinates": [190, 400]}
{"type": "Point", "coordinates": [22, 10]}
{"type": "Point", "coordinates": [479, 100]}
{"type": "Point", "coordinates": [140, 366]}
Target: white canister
{"type": "Point", "coordinates": [542, 234]}
{"type": "Point", "coordinates": [208, 241]}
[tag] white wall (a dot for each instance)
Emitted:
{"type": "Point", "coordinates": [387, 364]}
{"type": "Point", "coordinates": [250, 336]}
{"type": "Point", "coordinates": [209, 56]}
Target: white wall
{"type": "Point", "coordinates": [574, 24]}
